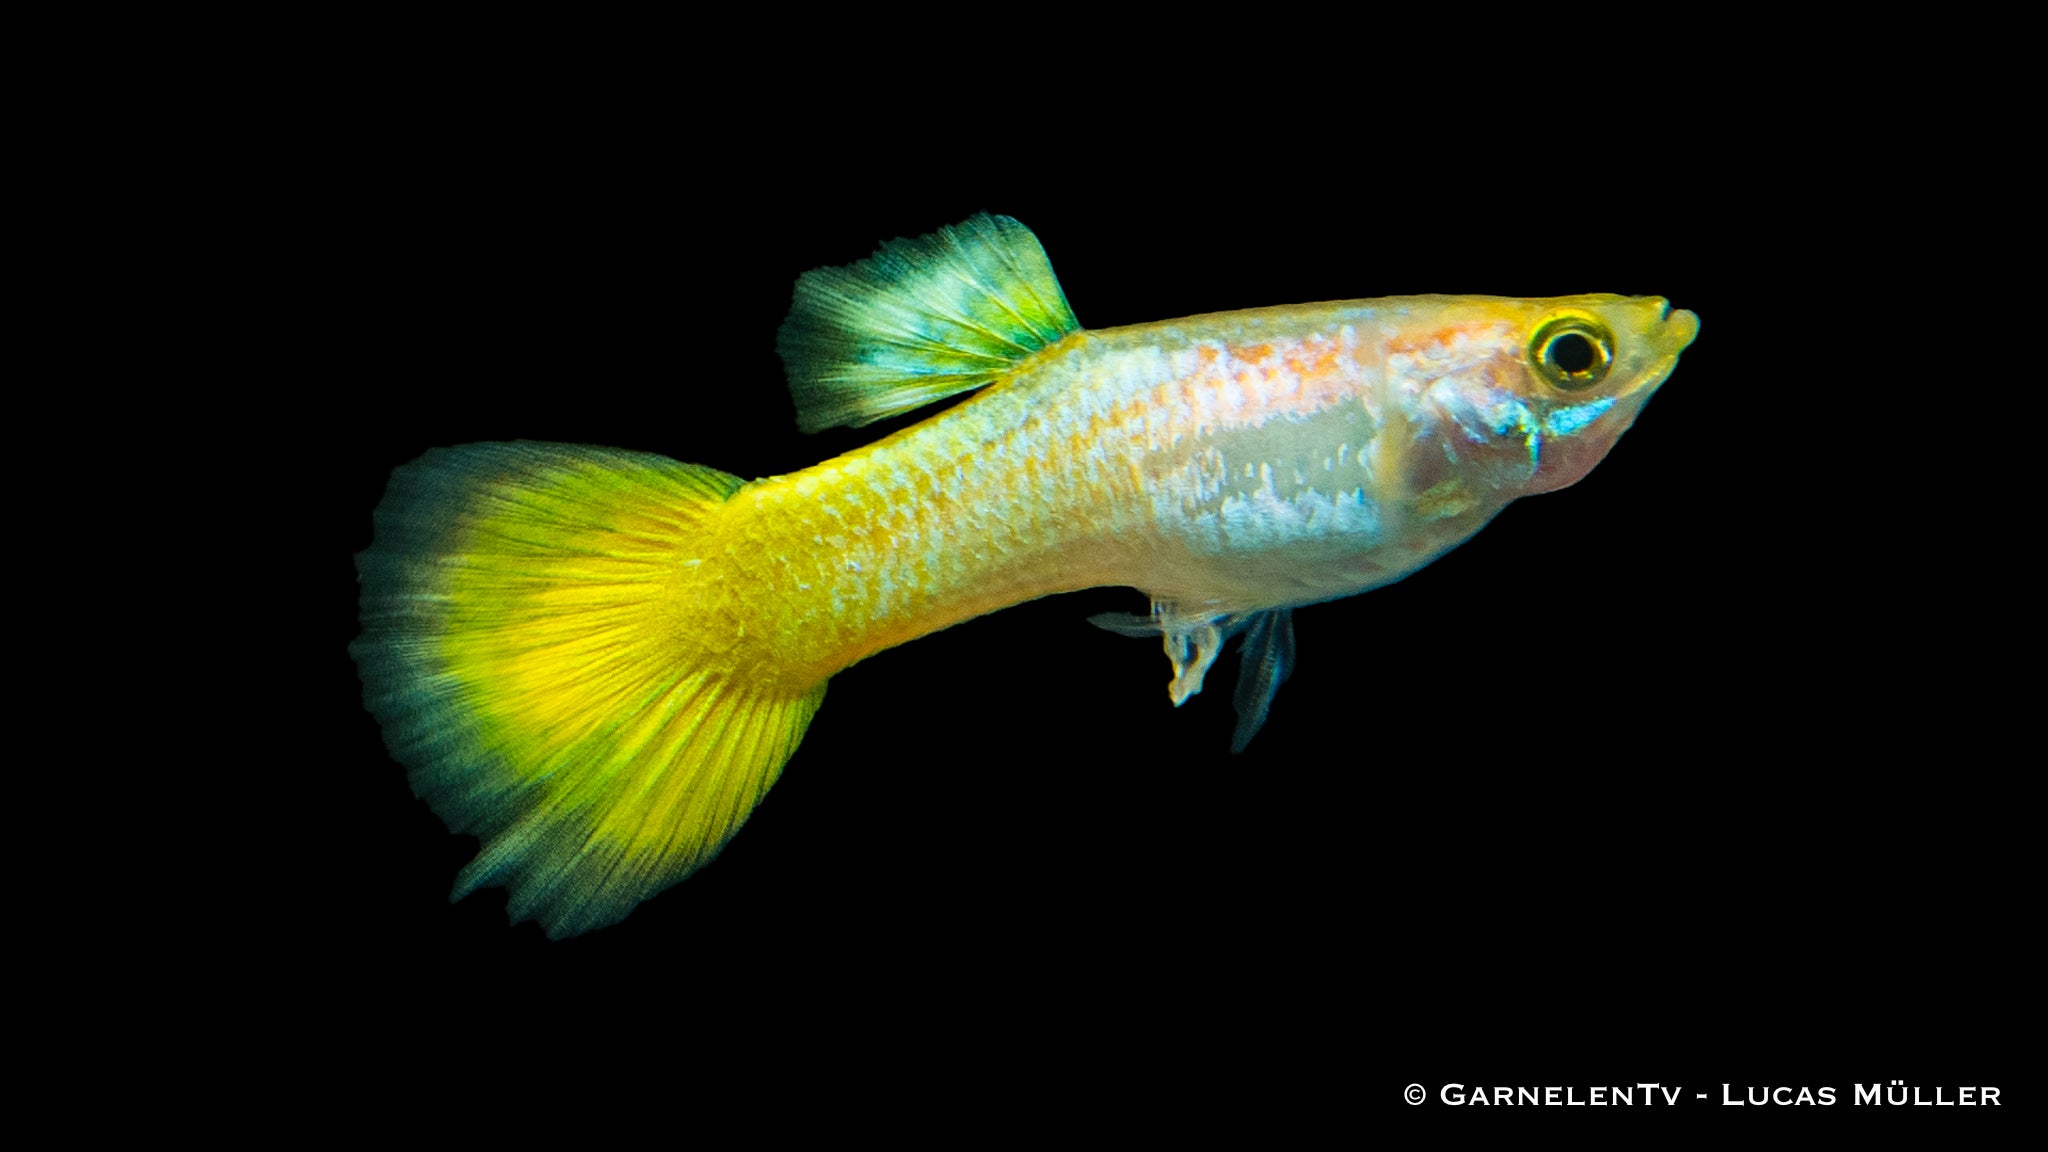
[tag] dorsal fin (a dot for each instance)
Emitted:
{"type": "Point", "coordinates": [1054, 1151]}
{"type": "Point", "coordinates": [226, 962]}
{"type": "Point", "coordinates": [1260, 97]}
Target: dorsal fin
{"type": "Point", "coordinates": [918, 321]}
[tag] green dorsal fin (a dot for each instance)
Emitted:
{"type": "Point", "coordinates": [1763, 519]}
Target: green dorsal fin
{"type": "Point", "coordinates": [918, 321]}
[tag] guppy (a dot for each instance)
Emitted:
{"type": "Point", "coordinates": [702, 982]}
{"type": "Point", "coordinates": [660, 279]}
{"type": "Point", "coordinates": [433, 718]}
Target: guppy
{"type": "Point", "coordinates": [597, 661]}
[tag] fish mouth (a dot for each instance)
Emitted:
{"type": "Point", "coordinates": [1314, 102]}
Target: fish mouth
{"type": "Point", "coordinates": [1677, 328]}
{"type": "Point", "coordinates": [1673, 328]}
{"type": "Point", "coordinates": [1670, 333]}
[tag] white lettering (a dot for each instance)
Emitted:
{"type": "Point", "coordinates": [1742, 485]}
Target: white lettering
{"type": "Point", "coordinates": [1452, 1094]}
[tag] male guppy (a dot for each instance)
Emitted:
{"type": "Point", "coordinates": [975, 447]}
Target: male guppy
{"type": "Point", "coordinates": [598, 661]}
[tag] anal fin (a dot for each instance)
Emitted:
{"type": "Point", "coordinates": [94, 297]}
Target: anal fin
{"type": "Point", "coordinates": [1193, 641]}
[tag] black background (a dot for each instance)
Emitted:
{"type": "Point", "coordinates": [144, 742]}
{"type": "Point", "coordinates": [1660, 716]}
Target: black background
{"type": "Point", "coordinates": [1686, 774]}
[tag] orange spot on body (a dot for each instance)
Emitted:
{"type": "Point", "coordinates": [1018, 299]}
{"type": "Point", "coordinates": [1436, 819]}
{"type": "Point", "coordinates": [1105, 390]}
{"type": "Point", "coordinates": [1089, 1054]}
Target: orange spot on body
{"type": "Point", "coordinates": [1244, 386]}
{"type": "Point", "coordinates": [1324, 363]}
{"type": "Point", "coordinates": [1434, 337]}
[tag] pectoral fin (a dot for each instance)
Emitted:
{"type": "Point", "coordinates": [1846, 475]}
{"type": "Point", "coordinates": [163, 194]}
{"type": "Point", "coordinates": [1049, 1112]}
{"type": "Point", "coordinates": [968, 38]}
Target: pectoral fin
{"type": "Point", "coordinates": [1268, 656]}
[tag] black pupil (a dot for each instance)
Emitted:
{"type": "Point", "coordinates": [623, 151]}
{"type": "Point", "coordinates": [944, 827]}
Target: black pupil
{"type": "Point", "coordinates": [1572, 352]}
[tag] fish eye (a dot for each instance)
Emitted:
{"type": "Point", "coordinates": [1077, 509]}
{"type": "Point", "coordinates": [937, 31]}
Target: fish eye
{"type": "Point", "coordinates": [1572, 351]}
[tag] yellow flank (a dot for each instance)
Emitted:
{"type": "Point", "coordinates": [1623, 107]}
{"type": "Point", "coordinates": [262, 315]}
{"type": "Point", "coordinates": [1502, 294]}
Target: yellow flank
{"type": "Point", "coordinates": [977, 509]}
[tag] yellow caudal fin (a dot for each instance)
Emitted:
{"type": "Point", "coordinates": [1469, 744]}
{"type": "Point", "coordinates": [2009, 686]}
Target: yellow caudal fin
{"type": "Point", "coordinates": [537, 644]}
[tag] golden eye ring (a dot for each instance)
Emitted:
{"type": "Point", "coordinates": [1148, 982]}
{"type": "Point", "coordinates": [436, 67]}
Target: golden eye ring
{"type": "Point", "coordinates": [1572, 351]}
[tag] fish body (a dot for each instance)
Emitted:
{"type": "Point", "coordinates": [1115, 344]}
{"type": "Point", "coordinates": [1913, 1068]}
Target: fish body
{"type": "Point", "coordinates": [1224, 464]}
{"type": "Point", "coordinates": [598, 660]}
